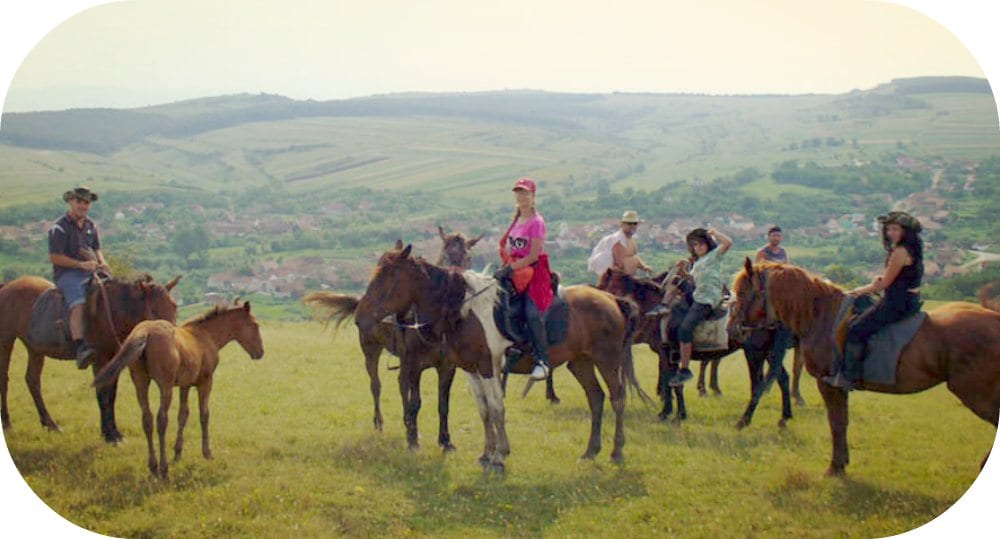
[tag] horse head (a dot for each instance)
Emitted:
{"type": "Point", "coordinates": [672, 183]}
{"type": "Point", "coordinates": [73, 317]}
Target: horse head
{"type": "Point", "coordinates": [749, 310]}
{"type": "Point", "coordinates": [393, 288]}
{"type": "Point", "coordinates": [455, 249]}
{"type": "Point", "coordinates": [247, 331]}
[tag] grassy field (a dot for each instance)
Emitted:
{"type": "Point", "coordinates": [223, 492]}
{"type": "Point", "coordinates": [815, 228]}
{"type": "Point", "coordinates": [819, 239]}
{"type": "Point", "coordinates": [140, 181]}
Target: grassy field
{"type": "Point", "coordinates": [296, 454]}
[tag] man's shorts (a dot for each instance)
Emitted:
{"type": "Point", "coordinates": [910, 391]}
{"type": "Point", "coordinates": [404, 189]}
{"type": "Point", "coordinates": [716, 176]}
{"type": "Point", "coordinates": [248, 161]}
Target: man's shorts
{"type": "Point", "coordinates": [73, 285]}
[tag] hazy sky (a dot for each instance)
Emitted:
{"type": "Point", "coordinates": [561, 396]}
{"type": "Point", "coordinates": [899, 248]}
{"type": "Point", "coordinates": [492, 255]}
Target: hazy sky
{"type": "Point", "coordinates": [139, 52]}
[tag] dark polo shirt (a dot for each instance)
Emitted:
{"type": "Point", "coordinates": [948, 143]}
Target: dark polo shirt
{"type": "Point", "coordinates": [66, 238]}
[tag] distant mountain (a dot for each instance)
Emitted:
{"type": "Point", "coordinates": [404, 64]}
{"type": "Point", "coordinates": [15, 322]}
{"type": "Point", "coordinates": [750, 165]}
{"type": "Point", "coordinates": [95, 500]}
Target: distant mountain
{"type": "Point", "coordinates": [104, 131]}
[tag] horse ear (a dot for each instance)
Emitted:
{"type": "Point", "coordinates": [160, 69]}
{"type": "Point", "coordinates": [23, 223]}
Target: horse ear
{"type": "Point", "coordinates": [399, 245]}
{"type": "Point", "coordinates": [748, 266]}
{"type": "Point", "coordinates": [170, 286]}
{"type": "Point", "coordinates": [406, 251]}
{"type": "Point", "coordinates": [246, 306]}
{"type": "Point", "coordinates": [441, 232]}
{"type": "Point", "coordinates": [469, 244]}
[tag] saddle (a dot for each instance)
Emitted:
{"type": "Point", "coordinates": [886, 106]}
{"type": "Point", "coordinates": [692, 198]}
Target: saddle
{"type": "Point", "coordinates": [712, 334]}
{"type": "Point", "coordinates": [49, 326]}
{"type": "Point", "coordinates": [884, 347]}
{"type": "Point", "coordinates": [509, 317]}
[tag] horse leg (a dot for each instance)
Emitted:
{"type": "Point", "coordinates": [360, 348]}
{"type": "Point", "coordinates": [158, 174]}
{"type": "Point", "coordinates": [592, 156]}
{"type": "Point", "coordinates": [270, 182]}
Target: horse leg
{"type": "Point", "coordinates": [786, 397]}
{"type": "Point", "coordinates": [494, 400]}
{"type": "Point", "coordinates": [33, 377]}
{"type": "Point", "coordinates": [797, 364]}
{"type": "Point", "coordinates": [682, 412]}
{"type": "Point", "coordinates": [583, 370]}
{"type": "Point", "coordinates": [372, 352]}
{"type": "Point", "coordinates": [141, 384]}
{"type": "Point", "coordinates": [610, 371]}
{"type": "Point", "coordinates": [105, 402]}
{"type": "Point", "coordinates": [714, 384]}
{"type": "Point", "coordinates": [701, 380]}
{"type": "Point", "coordinates": [446, 375]}
{"type": "Point", "coordinates": [755, 369]}
{"type": "Point", "coordinates": [182, 417]}
{"type": "Point", "coordinates": [409, 388]}
{"type": "Point", "coordinates": [489, 443]}
{"type": "Point", "coordinates": [550, 390]}
{"type": "Point", "coordinates": [204, 391]}
{"type": "Point", "coordinates": [166, 394]}
{"type": "Point", "coordinates": [836, 413]}
{"type": "Point", "coordinates": [6, 347]}
{"type": "Point", "coordinates": [662, 387]}
{"type": "Point", "coordinates": [977, 395]}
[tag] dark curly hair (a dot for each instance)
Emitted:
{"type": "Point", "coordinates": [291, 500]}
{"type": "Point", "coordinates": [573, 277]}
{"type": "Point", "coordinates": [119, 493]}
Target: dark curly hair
{"type": "Point", "coordinates": [699, 235]}
{"type": "Point", "coordinates": [911, 242]}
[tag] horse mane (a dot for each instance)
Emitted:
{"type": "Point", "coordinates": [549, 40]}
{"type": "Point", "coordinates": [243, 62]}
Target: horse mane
{"type": "Point", "coordinates": [795, 294]}
{"type": "Point", "coordinates": [123, 299]}
{"type": "Point", "coordinates": [211, 314]}
{"type": "Point", "coordinates": [989, 296]}
{"type": "Point", "coordinates": [447, 292]}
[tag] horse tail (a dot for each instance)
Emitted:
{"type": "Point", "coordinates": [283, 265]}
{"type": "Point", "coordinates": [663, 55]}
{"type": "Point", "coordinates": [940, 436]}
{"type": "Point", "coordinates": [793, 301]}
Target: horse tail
{"type": "Point", "coordinates": [337, 307]}
{"type": "Point", "coordinates": [131, 350]}
{"type": "Point", "coordinates": [630, 313]}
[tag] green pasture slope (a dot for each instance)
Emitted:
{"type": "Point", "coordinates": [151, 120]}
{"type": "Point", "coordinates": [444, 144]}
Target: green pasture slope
{"type": "Point", "coordinates": [296, 454]}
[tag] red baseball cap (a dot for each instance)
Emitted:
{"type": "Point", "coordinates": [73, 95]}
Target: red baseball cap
{"type": "Point", "coordinates": [525, 183]}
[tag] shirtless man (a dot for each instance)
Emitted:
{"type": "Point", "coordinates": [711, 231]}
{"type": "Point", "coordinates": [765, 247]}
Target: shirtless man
{"type": "Point", "coordinates": [626, 253]}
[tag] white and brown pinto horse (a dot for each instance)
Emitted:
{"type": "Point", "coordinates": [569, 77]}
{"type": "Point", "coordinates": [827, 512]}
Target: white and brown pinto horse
{"type": "Point", "coordinates": [457, 308]}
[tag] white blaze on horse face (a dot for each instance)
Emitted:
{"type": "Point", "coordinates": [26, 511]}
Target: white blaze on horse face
{"type": "Point", "coordinates": [482, 306]}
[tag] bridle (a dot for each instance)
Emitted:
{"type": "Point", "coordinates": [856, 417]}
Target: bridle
{"type": "Point", "coordinates": [770, 320]}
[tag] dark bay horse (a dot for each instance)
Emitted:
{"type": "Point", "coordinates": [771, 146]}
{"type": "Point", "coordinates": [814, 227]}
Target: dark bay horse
{"type": "Point", "coordinates": [457, 306]}
{"type": "Point", "coordinates": [758, 348]}
{"type": "Point", "coordinates": [129, 302]}
{"type": "Point", "coordinates": [958, 343]}
{"type": "Point", "coordinates": [184, 356]}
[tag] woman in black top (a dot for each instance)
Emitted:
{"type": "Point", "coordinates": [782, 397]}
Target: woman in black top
{"type": "Point", "coordinates": [904, 271]}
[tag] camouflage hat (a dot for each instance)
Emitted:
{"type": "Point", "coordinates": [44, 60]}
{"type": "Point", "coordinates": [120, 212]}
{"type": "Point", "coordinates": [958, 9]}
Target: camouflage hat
{"type": "Point", "coordinates": [902, 219]}
{"type": "Point", "coordinates": [80, 192]}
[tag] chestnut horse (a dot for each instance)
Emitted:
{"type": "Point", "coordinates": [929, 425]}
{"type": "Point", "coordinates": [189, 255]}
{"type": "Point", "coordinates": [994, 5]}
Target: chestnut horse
{"type": "Point", "coordinates": [958, 343]}
{"type": "Point", "coordinates": [129, 302]}
{"type": "Point", "coordinates": [457, 307]}
{"type": "Point", "coordinates": [184, 356]}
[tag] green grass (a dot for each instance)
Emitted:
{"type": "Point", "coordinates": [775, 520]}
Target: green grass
{"type": "Point", "coordinates": [295, 454]}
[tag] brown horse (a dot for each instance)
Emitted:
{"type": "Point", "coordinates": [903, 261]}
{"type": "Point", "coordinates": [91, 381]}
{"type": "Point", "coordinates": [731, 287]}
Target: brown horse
{"type": "Point", "coordinates": [129, 302]}
{"type": "Point", "coordinates": [958, 343]}
{"type": "Point", "coordinates": [457, 307]}
{"type": "Point", "coordinates": [989, 297]}
{"type": "Point", "coordinates": [184, 356]}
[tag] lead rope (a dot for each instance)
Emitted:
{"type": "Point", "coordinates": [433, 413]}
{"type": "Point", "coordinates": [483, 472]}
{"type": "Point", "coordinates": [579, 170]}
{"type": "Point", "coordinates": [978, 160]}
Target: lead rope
{"type": "Point", "coordinates": [107, 310]}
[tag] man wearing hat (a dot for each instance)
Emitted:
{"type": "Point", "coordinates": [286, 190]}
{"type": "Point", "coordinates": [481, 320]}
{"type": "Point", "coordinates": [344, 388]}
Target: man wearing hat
{"type": "Point", "coordinates": [75, 252]}
{"type": "Point", "coordinates": [619, 250]}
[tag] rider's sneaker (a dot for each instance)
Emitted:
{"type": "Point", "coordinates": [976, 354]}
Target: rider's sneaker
{"type": "Point", "coordinates": [682, 376]}
{"type": "Point", "coordinates": [658, 310]}
{"type": "Point", "coordinates": [84, 355]}
{"type": "Point", "coordinates": [540, 372]}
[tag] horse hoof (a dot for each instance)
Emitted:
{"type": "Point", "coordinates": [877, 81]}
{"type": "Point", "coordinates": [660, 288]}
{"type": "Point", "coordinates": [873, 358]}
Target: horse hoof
{"type": "Point", "coordinates": [837, 472]}
{"type": "Point", "coordinates": [484, 462]}
{"type": "Point", "coordinates": [51, 428]}
{"type": "Point", "coordinates": [716, 393]}
{"type": "Point", "coordinates": [663, 417]}
{"type": "Point", "coordinates": [618, 460]}
{"type": "Point", "coordinates": [799, 401]}
{"type": "Point", "coordinates": [702, 393]}
{"type": "Point", "coordinates": [782, 423]}
{"type": "Point", "coordinates": [554, 400]}
{"type": "Point", "coordinates": [742, 424]}
{"type": "Point", "coordinates": [497, 467]}
{"type": "Point", "coordinates": [448, 448]}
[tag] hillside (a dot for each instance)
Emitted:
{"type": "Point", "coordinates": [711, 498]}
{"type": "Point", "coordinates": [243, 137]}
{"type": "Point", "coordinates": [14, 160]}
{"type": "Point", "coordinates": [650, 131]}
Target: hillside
{"type": "Point", "coordinates": [272, 178]}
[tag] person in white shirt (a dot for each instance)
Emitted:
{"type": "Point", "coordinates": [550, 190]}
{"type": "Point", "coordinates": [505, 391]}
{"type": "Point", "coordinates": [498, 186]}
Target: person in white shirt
{"type": "Point", "coordinates": [619, 250]}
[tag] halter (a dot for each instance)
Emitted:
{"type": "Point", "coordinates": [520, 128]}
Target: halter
{"type": "Point", "coordinates": [417, 325]}
{"type": "Point", "coordinates": [770, 319]}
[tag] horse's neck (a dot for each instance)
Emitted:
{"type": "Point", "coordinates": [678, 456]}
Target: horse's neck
{"type": "Point", "coordinates": [432, 304]}
{"type": "Point", "coordinates": [825, 309]}
{"type": "Point", "coordinates": [215, 329]}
